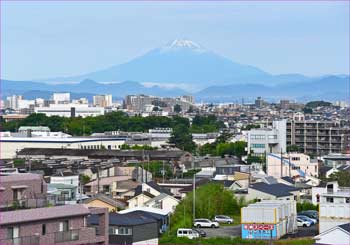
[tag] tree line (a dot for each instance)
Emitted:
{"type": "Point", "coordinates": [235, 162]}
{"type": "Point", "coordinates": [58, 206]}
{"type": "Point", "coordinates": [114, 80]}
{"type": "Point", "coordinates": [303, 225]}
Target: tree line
{"type": "Point", "coordinates": [114, 121]}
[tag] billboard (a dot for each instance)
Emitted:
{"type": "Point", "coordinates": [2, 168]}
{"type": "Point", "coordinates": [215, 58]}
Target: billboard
{"type": "Point", "coordinates": [259, 231]}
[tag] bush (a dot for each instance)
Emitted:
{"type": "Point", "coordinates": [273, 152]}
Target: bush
{"type": "Point", "coordinates": [303, 206]}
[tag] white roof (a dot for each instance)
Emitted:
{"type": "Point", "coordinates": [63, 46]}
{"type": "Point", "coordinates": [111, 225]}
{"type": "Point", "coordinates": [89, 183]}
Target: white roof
{"type": "Point", "coordinates": [146, 209]}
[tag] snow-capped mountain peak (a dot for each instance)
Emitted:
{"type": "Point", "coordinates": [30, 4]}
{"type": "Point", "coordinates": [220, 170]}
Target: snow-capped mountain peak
{"type": "Point", "coordinates": [183, 44]}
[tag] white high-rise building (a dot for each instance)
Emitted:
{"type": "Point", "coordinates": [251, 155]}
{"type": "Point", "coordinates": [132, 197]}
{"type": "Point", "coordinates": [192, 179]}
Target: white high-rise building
{"type": "Point", "coordinates": [12, 101]}
{"type": "Point", "coordinates": [61, 98]}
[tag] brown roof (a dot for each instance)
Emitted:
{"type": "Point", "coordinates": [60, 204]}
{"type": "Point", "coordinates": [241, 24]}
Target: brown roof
{"type": "Point", "coordinates": [29, 215]}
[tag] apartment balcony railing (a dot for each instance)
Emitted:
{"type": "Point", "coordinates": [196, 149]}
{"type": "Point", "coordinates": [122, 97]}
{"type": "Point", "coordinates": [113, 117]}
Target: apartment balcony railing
{"type": "Point", "coordinates": [31, 203]}
{"type": "Point", "coordinates": [25, 240]}
{"type": "Point", "coordinates": [66, 236]}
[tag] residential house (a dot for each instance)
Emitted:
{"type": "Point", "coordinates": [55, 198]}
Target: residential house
{"type": "Point", "coordinates": [24, 189]}
{"type": "Point", "coordinates": [53, 225]}
{"type": "Point", "coordinates": [130, 228]}
{"type": "Point", "coordinates": [263, 191]}
{"type": "Point", "coordinates": [104, 201]}
{"type": "Point", "coordinates": [163, 201]}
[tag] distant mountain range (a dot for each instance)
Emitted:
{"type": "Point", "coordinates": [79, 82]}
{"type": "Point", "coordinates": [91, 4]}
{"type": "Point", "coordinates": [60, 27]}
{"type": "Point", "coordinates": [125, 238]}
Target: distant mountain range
{"type": "Point", "coordinates": [327, 88]}
{"type": "Point", "coordinates": [185, 67]}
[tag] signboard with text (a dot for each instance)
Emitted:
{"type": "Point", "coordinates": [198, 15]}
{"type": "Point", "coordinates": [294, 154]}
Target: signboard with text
{"type": "Point", "coordinates": [259, 231]}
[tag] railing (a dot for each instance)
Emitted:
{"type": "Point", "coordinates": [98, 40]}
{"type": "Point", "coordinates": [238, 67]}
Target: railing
{"type": "Point", "coordinates": [66, 236]}
{"type": "Point", "coordinates": [25, 240]}
{"type": "Point", "coordinates": [32, 203]}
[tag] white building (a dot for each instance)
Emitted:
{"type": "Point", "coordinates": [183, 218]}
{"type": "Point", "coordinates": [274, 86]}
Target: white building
{"type": "Point", "coordinates": [104, 100]}
{"type": "Point", "coordinates": [60, 98]}
{"type": "Point", "coordinates": [292, 165]}
{"type": "Point", "coordinates": [70, 110]}
{"type": "Point", "coordinates": [334, 207]}
{"type": "Point", "coordinates": [268, 140]}
{"type": "Point", "coordinates": [12, 101]}
{"type": "Point", "coordinates": [10, 145]}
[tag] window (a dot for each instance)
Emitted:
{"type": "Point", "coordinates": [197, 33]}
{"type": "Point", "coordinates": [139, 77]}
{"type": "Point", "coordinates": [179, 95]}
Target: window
{"type": "Point", "coordinates": [43, 229]}
{"type": "Point", "coordinates": [258, 145]}
{"type": "Point", "coordinates": [295, 158]}
{"type": "Point", "coordinates": [12, 232]}
{"type": "Point", "coordinates": [63, 225]}
{"type": "Point", "coordinates": [124, 231]}
{"type": "Point", "coordinates": [347, 200]}
{"type": "Point", "coordinates": [318, 198]}
{"type": "Point", "coordinates": [330, 199]}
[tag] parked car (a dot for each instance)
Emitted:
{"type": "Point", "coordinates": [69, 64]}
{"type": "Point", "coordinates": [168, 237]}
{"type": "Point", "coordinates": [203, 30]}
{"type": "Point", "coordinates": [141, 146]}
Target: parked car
{"type": "Point", "coordinates": [201, 232]}
{"type": "Point", "coordinates": [205, 223]}
{"type": "Point", "coordinates": [189, 233]}
{"type": "Point", "coordinates": [223, 219]}
{"type": "Point", "coordinates": [314, 221]}
{"type": "Point", "coordinates": [303, 222]}
{"type": "Point", "coordinates": [310, 213]}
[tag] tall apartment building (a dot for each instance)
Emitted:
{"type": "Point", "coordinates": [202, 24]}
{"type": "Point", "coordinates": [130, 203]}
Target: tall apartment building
{"type": "Point", "coordinates": [318, 137]}
{"type": "Point", "coordinates": [13, 101]}
{"type": "Point", "coordinates": [142, 102]}
{"type": "Point", "coordinates": [104, 100]}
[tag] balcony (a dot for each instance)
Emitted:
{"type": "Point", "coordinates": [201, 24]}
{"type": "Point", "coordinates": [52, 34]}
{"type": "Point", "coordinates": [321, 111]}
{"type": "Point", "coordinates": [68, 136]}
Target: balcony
{"type": "Point", "coordinates": [29, 203]}
{"type": "Point", "coordinates": [66, 236]}
{"type": "Point", "coordinates": [25, 240]}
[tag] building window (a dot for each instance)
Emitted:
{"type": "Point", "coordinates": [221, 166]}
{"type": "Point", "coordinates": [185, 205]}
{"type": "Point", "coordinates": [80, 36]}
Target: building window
{"type": "Point", "coordinates": [347, 200]}
{"type": "Point", "coordinates": [295, 158]}
{"type": "Point", "coordinates": [318, 198]}
{"type": "Point", "coordinates": [63, 225]}
{"type": "Point", "coordinates": [124, 231]}
{"type": "Point", "coordinates": [258, 146]}
{"type": "Point", "coordinates": [330, 199]}
{"type": "Point", "coordinates": [43, 229]}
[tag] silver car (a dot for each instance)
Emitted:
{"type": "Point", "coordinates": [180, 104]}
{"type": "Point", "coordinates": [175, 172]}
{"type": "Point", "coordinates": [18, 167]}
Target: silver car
{"type": "Point", "coordinates": [223, 219]}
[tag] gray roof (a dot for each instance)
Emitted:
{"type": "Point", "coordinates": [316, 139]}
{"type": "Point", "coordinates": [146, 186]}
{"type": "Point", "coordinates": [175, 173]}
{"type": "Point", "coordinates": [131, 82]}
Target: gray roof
{"type": "Point", "coordinates": [128, 219]}
{"type": "Point", "coordinates": [161, 196]}
{"type": "Point", "coordinates": [101, 153]}
{"type": "Point", "coordinates": [345, 227]}
{"type": "Point", "coordinates": [278, 190]}
{"type": "Point", "coordinates": [36, 214]}
{"type": "Point", "coordinates": [20, 177]}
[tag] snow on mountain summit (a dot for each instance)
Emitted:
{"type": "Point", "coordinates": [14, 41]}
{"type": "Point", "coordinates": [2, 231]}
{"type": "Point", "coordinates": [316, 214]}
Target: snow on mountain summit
{"type": "Point", "coordinates": [183, 44]}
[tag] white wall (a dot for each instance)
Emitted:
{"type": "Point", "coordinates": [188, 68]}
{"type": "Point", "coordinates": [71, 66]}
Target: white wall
{"type": "Point", "coordinates": [153, 241]}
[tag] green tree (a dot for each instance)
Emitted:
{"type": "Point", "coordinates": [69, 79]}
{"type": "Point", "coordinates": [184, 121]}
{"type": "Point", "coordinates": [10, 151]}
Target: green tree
{"type": "Point", "coordinates": [343, 178]}
{"type": "Point", "coordinates": [182, 138]}
{"type": "Point", "coordinates": [211, 199]}
{"type": "Point", "coordinates": [293, 148]}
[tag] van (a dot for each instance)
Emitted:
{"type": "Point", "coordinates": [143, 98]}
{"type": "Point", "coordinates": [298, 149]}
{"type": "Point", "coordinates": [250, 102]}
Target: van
{"type": "Point", "coordinates": [189, 233]}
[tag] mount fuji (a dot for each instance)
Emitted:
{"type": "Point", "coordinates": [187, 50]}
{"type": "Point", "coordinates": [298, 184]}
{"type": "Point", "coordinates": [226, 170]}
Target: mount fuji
{"type": "Point", "coordinates": [182, 62]}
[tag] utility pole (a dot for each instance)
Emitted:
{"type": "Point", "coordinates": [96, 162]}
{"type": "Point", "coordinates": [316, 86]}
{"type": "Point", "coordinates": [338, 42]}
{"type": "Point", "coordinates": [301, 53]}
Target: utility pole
{"type": "Point", "coordinates": [194, 197]}
{"type": "Point", "coordinates": [98, 180]}
{"type": "Point", "coordinates": [290, 173]}
{"type": "Point", "coordinates": [281, 164]}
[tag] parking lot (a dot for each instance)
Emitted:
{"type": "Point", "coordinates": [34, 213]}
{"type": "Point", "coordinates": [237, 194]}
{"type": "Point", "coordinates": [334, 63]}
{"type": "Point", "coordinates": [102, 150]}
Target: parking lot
{"type": "Point", "coordinates": [304, 232]}
{"type": "Point", "coordinates": [223, 231]}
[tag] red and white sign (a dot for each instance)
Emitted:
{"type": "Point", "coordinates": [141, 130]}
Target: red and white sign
{"type": "Point", "coordinates": [262, 227]}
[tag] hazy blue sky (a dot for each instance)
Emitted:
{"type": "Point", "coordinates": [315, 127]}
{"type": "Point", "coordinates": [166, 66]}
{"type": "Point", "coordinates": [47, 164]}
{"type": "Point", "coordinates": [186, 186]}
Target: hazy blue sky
{"type": "Point", "coordinates": [49, 39]}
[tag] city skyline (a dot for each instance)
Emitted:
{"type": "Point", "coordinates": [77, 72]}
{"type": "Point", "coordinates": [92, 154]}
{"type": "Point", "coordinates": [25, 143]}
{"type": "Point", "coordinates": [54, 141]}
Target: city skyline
{"type": "Point", "coordinates": [276, 37]}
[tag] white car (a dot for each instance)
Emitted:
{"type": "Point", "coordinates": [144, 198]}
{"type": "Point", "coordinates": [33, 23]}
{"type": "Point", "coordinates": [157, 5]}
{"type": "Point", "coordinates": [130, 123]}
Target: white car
{"type": "Point", "coordinates": [304, 223]}
{"type": "Point", "coordinates": [189, 233]}
{"type": "Point", "coordinates": [205, 223]}
{"type": "Point", "coordinates": [223, 219]}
